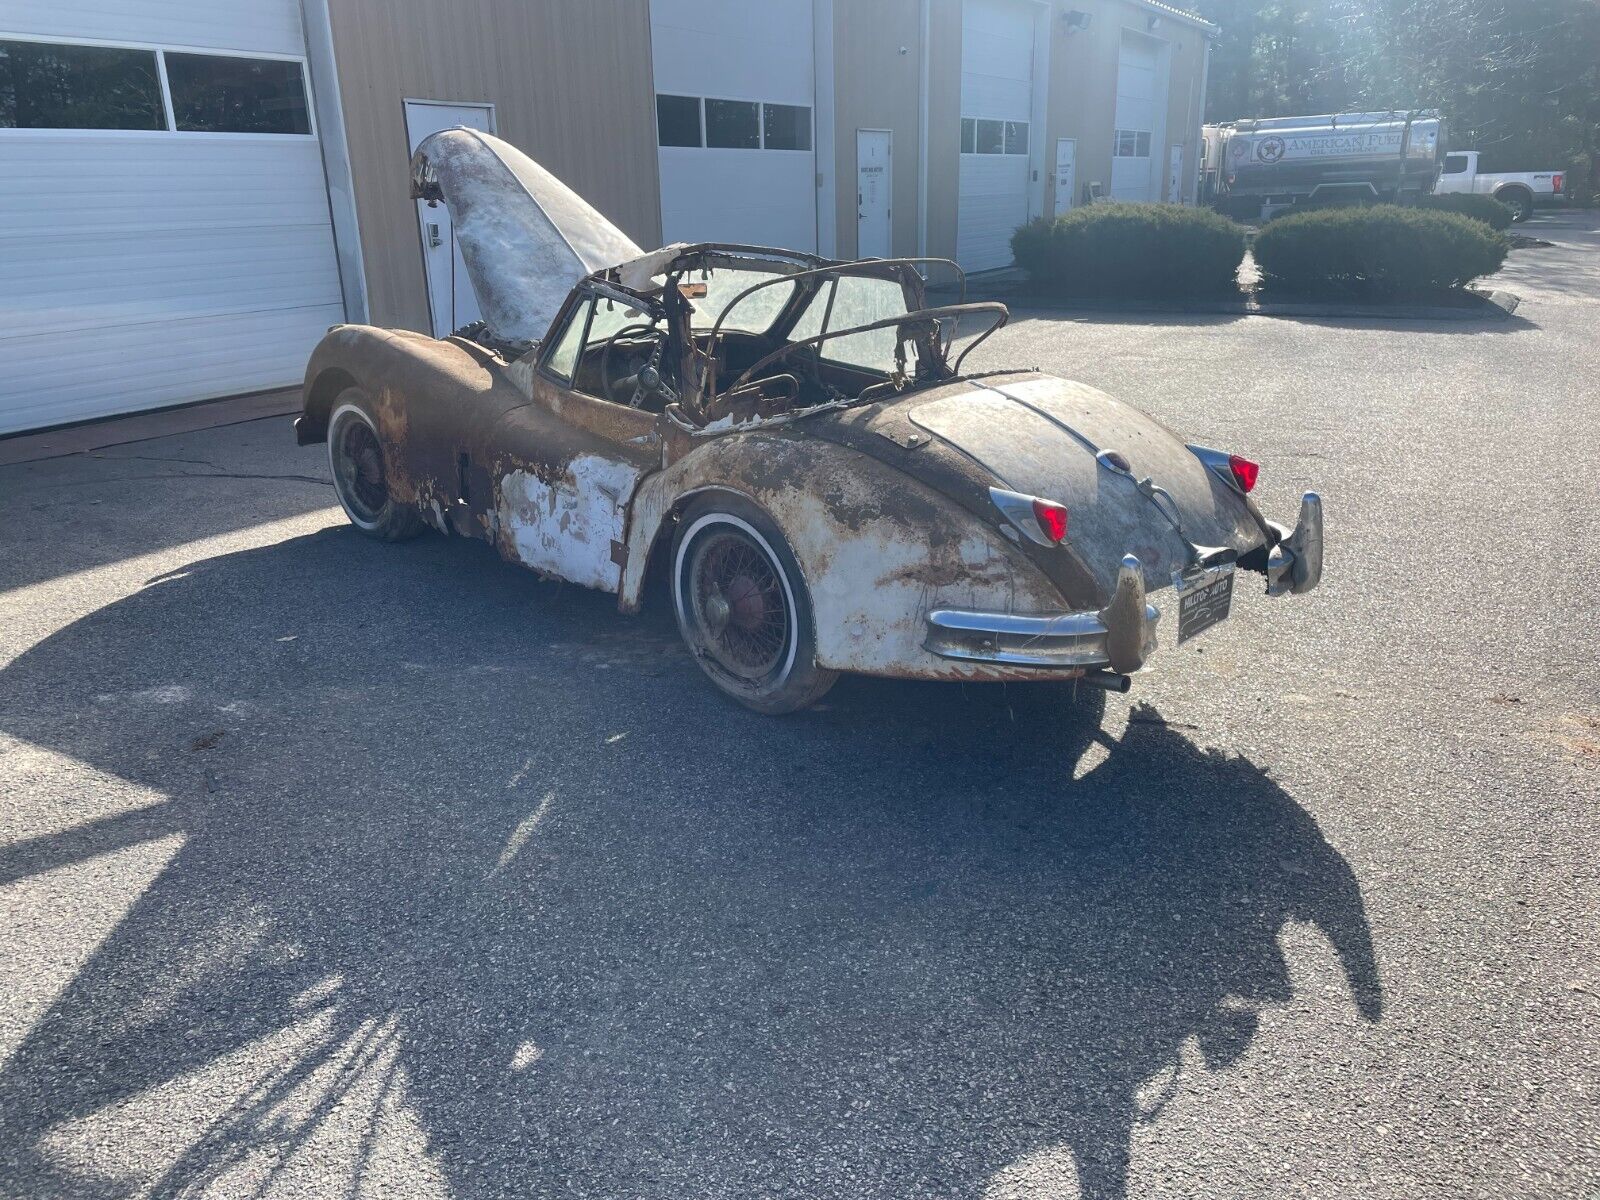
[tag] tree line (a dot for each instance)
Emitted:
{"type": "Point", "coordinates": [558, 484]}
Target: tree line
{"type": "Point", "coordinates": [1518, 80]}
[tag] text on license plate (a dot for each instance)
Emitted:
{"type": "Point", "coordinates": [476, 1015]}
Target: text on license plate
{"type": "Point", "coordinates": [1204, 605]}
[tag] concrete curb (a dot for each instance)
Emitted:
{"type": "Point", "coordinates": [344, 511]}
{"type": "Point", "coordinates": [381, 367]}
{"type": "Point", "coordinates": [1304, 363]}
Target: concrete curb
{"type": "Point", "coordinates": [1490, 305]}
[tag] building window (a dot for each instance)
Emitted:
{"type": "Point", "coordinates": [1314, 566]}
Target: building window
{"type": "Point", "coordinates": [982, 136]}
{"type": "Point", "coordinates": [678, 121]}
{"type": "Point", "coordinates": [786, 127]}
{"type": "Point", "coordinates": [215, 93]}
{"type": "Point", "coordinates": [1132, 143]}
{"type": "Point", "coordinates": [733, 124]}
{"type": "Point", "coordinates": [49, 86]}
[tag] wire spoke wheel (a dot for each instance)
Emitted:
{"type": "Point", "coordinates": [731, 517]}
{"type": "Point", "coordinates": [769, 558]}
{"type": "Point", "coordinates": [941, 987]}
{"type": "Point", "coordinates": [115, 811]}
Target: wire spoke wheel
{"type": "Point", "coordinates": [359, 469]}
{"type": "Point", "coordinates": [738, 604]}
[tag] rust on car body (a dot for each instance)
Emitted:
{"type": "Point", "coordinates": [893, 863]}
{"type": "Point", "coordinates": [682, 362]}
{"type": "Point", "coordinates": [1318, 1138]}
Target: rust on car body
{"type": "Point", "coordinates": [808, 413]}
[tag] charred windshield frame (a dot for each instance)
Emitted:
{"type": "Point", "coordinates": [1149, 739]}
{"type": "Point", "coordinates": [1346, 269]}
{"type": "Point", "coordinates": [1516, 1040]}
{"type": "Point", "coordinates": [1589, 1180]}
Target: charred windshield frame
{"type": "Point", "coordinates": [808, 284]}
{"type": "Point", "coordinates": [693, 362]}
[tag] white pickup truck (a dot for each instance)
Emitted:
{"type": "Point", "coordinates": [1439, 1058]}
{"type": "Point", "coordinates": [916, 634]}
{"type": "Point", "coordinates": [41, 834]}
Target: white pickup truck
{"type": "Point", "coordinates": [1519, 189]}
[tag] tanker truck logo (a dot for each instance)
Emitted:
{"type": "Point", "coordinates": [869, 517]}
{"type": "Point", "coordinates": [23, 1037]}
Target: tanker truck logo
{"type": "Point", "coordinates": [1269, 150]}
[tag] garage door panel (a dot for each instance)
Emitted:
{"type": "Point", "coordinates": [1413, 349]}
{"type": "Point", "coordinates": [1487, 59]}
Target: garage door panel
{"type": "Point", "coordinates": [996, 60]}
{"type": "Point", "coordinates": [127, 368]}
{"type": "Point", "coordinates": [996, 98]}
{"type": "Point", "coordinates": [990, 185]}
{"type": "Point", "coordinates": [88, 282]}
{"type": "Point", "coordinates": [88, 184]}
{"type": "Point", "coordinates": [1130, 179]}
{"type": "Point", "coordinates": [744, 184]}
{"type": "Point", "coordinates": [270, 26]}
{"type": "Point", "coordinates": [996, 85]}
{"type": "Point", "coordinates": [733, 48]}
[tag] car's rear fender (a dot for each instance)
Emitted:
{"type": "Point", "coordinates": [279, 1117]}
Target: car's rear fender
{"type": "Point", "coordinates": [878, 551]}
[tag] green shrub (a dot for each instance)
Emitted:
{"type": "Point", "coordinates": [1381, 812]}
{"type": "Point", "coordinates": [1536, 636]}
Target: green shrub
{"type": "Point", "coordinates": [1149, 250]}
{"type": "Point", "coordinates": [1470, 204]}
{"type": "Point", "coordinates": [1382, 250]}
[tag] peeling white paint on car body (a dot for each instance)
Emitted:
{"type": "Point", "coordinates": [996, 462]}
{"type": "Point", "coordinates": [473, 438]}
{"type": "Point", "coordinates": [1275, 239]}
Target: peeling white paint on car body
{"type": "Point", "coordinates": [567, 529]}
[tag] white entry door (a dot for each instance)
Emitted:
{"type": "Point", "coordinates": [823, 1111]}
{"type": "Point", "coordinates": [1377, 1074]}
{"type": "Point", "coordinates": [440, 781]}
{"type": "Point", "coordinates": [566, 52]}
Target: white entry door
{"type": "Point", "coordinates": [1066, 172]}
{"type": "Point", "coordinates": [1175, 176]}
{"type": "Point", "coordinates": [451, 301]}
{"type": "Point", "coordinates": [874, 238]}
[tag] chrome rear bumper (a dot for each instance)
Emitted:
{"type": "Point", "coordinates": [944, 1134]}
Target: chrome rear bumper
{"type": "Point", "coordinates": [1121, 636]}
{"type": "Point", "coordinates": [1118, 637]}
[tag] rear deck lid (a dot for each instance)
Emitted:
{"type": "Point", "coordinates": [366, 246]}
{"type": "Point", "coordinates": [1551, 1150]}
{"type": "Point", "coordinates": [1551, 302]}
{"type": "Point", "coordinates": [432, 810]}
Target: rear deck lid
{"type": "Point", "coordinates": [1040, 435]}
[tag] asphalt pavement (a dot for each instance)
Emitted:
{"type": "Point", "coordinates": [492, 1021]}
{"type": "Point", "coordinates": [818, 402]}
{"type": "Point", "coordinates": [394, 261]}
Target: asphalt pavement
{"type": "Point", "coordinates": [333, 868]}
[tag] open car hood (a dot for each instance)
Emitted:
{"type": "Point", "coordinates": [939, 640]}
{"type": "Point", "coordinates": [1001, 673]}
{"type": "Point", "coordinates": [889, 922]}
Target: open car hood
{"type": "Point", "coordinates": [525, 236]}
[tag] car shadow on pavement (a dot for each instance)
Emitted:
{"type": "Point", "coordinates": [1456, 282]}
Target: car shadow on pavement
{"type": "Point", "coordinates": [479, 883]}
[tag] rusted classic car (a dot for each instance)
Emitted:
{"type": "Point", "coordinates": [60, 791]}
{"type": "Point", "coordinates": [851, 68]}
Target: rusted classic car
{"type": "Point", "coordinates": [793, 442]}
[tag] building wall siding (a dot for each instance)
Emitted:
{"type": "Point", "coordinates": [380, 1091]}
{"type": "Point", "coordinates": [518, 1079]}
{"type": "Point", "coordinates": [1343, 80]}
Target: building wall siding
{"type": "Point", "coordinates": [571, 84]}
{"type": "Point", "coordinates": [877, 87]}
{"type": "Point", "coordinates": [944, 125]}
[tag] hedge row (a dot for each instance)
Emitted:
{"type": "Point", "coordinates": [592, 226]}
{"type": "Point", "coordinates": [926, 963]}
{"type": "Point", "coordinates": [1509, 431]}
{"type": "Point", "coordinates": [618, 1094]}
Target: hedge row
{"type": "Point", "coordinates": [1131, 250]}
{"type": "Point", "coordinates": [1166, 250]}
{"type": "Point", "coordinates": [1470, 204]}
{"type": "Point", "coordinates": [1383, 250]}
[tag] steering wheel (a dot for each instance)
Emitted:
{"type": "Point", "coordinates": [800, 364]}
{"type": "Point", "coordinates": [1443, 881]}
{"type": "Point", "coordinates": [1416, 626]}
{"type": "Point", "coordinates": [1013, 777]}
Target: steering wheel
{"type": "Point", "coordinates": [611, 343]}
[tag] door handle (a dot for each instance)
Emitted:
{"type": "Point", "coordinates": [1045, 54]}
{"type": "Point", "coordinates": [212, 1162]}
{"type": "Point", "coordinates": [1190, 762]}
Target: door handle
{"type": "Point", "coordinates": [433, 235]}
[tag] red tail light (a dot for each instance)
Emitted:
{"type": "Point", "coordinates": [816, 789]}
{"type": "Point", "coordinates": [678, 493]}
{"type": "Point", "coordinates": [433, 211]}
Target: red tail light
{"type": "Point", "coordinates": [1052, 518]}
{"type": "Point", "coordinates": [1244, 471]}
{"type": "Point", "coordinates": [1559, 180]}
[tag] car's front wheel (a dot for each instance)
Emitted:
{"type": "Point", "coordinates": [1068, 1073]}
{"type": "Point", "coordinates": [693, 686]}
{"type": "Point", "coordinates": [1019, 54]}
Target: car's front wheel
{"type": "Point", "coordinates": [742, 606]}
{"type": "Point", "coordinates": [362, 473]}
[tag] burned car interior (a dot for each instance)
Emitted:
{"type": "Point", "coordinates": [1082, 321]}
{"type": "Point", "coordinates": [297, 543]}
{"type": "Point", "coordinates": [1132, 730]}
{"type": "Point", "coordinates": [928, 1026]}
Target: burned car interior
{"type": "Point", "coordinates": [738, 333]}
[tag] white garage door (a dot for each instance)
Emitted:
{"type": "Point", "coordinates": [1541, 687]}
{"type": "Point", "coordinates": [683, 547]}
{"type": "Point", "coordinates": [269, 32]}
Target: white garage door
{"type": "Point", "coordinates": [166, 235]}
{"type": "Point", "coordinates": [734, 101]}
{"type": "Point", "coordinates": [996, 109]}
{"type": "Point", "coordinates": [1141, 98]}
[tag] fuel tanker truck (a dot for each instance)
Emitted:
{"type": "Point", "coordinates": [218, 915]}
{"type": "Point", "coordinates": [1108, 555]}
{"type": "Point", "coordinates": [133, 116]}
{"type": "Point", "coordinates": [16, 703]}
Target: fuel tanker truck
{"type": "Point", "coordinates": [1255, 168]}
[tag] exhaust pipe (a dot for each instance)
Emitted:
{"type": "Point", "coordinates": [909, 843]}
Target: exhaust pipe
{"type": "Point", "coordinates": [1109, 680]}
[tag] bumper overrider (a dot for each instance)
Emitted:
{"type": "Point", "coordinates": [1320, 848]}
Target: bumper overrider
{"type": "Point", "coordinates": [1121, 636]}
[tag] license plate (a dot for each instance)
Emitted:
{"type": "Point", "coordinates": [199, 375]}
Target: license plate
{"type": "Point", "coordinates": [1203, 603]}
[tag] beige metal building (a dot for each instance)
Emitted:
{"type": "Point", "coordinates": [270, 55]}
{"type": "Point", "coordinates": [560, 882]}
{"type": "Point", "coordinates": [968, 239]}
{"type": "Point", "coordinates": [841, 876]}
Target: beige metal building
{"type": "Point", "coordinates": [199, 187]}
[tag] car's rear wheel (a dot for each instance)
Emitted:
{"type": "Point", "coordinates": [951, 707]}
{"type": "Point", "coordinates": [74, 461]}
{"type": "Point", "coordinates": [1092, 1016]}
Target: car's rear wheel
{"type": "Point", "coordinates": [362, 472]}
{"type": "Point", "coordinates": [742, 606]}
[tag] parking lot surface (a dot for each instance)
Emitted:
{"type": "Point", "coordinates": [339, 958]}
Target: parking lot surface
{"type": "Point", "coordinates": [330, 867]}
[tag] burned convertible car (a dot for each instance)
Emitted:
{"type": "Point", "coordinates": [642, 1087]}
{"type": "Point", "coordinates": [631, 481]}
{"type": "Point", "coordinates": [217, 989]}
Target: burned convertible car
{"type": "Point", "coordinates": [793, 442]}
